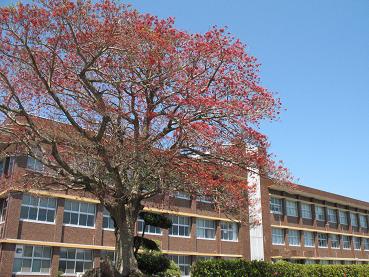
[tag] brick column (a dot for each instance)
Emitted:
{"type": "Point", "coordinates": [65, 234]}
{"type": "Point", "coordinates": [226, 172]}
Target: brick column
{"type": "Point", "coordinates": [12, 221]}
{"type": "Point", "coordinates": [59, 216]}
{"type": "Point", "coordinates": [218, 236]}
{"type": "Point", "coordinates": [54, 267]}
{"type": "Point", "coordinates": [313, 214]}
{"type": "Point", "coordinates": [299, 214]}
{"type": "Point", "coordinates": [193, 240]}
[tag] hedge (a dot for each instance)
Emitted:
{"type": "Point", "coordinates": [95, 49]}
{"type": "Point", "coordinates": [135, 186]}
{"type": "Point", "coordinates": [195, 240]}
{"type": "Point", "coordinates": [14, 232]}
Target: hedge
{"type": "Point", "coordinates": [242, 268]}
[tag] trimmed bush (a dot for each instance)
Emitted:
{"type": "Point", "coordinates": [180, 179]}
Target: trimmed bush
{"type": "Point", "coordinates": [242, 268]}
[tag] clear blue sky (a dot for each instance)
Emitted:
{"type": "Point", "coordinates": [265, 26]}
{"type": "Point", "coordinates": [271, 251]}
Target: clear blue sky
{"type": "Point", "coordinates": [315, 54]}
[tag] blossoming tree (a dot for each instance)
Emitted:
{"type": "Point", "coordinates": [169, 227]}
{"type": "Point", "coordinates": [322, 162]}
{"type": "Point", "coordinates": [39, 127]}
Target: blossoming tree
{"type": "Point", "coordinates": [142, 108]}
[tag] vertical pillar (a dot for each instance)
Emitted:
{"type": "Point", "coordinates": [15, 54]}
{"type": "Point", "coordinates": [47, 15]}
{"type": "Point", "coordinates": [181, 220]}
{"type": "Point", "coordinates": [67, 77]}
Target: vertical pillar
{"type": "Point", "coordinates": [255, 215]}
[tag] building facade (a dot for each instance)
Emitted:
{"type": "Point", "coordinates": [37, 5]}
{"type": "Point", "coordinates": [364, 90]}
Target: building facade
{"type": "Point", "coordinates": [44, 232]}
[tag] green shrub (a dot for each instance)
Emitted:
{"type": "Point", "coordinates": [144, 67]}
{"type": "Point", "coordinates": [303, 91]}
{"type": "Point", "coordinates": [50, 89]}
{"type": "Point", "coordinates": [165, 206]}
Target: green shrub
{"type": "Point", "coordinates": [152, 263]}
{"type": "Point", "coordinates": [172, 271]}
{"type": "Point", "coordinates": [242, 268]}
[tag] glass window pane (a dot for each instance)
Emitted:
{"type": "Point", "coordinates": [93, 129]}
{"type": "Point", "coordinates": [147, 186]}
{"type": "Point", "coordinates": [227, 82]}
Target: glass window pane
{"type": "Point", "coordinates": [42, 215]}
{"type": "Point", "coordinates": [36, 265]}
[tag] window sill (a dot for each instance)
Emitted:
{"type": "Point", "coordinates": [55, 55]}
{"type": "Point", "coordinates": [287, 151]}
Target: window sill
{"type": "Point", "coordinates": [175, 236]}
{"type": "Point", "coordinates": [292, 215]}
{"type": "Point", "coordinates": [309, 246]}
{"type": "Point", "coordinates": [336, 248]}
{"type": "Point", "coordinates": [324, 247]}
{"type": "Point", "coordinates": [347, 249]}
{"type": "Point", "coordinates": [32, 273]}
{"type": "Point", "coordinates": [108, 229]}
{"type": "Point", "coordinates": [151, 234]}
{"type": "Point", "coordinates": [229, 240]}
{"type": "Point", "coordinates": [276, 213]}
{"type": "Point", "coordinates": [206, 238]}
{"type": "Point", "coordinates": [278, 244]}
{"type": "Point", "coordinates": [79, 226]}
{"type": "Point", "coordinates": [37, 221]}
{"type": "Point", "coordinates": [297, 245]}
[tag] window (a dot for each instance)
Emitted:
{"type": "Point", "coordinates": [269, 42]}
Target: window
{"type": "Point", "coordinates": [277, 236]}
{"type": "Point", "coordinates": [32, 259]}
{"type": "Point", "coordinates": [276, 205]}
{"type": "Point", "coordinates": [353, 218]}
{"type": "Point", "coordinates": [294, 237]}
{"type": "Point", "coordinates": [291, 208]}
{"type": "Point", "coordinates": [323, 262]}
{"type": "Point", "coordinates": [75, 260]}
{"type": "Point", "coordinates": [204, 258]}
{"type": "Point", "coordinates": [309, 262]}
{"type": "Point", "coordinates": [34, 164]}
{"type": "Point", "coordinates": [180, 226]}
{"type": "Point", "coordinates": [3, 205]}
{"type": "Point", "coordinates": [346, 242]}
{"type": "Point", "coordinates": [79, 213]}
{"type": "Point", "coordinates": [183, 262]}
{"type": "Point", "coordinates": [182, 195]}
{"type": "Point", "coordinates": [322, 240]}
{"type": "Point", "coordinates": [205, 228]}
{"type": "Point", "coordinates": [309, 239]}
{"type": "Point", "coordinates": [332, 216]}
{"type": "Point", "coordinates": [229, 231]}
{"type": "Point", "coordinates": [319, 213]}
{"type": "Point", "coordinates": [343, 218]}
{"type": "Point", "coordinates": [306, 211]}
{"type": "Point", "coordinates": [335, 241]}
{"type": "Point", "coordinates": [205, 199]}
{"type": "Point", "coordinates": [108, 222]}
{"type": "Point", "coordinates": [150, 230]}
{"type": "Point", "coordinates": [38, 209]}
{"type": "Point", "coordinates": [363, 221]}
{"type": "Point", "coordinates": [366, 243]}
{"type": "Point", "coordinates": [357, 243]}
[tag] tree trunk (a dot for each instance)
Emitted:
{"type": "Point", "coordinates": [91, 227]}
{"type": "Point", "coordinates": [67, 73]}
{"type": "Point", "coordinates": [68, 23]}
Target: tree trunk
{"type": "Point", "coordinates": [125, 220]}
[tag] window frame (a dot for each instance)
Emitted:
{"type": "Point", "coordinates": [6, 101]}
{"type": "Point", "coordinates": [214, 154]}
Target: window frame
{"type": "Point", "coordinates": [280, 205]}
{"type": "Point", "coordinates": [296, 237]}
{"type": "Point", "coordinates": [280, 235]}
{"type": "Point", "coordinates": [3, 209]}
{"type": "Point", "coordinates": [34, 164]}
{"type": "Point", "coordinates": [204, 199]}
{"type": "Point", "coordinates": [322, 237]}
{"type": "Point", "coordinates": [338, 246]}
{"type": "Point", "coordinates": [346, 241]}
{"type": "Point", "coordinates": [356, 240]}
{"type": "Point", "coordinates": [185, 226]}
{"type": "Point", "coordinates": [306, 213]}
{"type": "Point", "coordinates": [32, 258]}
{"type": "Point", "coordinates": [332, 214]}
{"type": "Point", "coordinates": [149, 229]}
{"type": "Point", "coordinates": [38, 207]}
{"type": "Point", "coordinates": [312, 239]}
{"type": "Point", "coordinates": [205, 228]}
{"type": "Point", "coordinates": [79, 213]}
{"type": "Point", "coordinates": [182, 195]}
{"type": "Point", "coordinates": [289, 208]}
{"type": "Point", "coordinates": [75, 260]}
{"type": "Point", "coordinates": [340, 213]}
{"type": "Point", "coordinates": [107, 218]}
{"type": "Point", "coordinates": [362, 216]}
{"type": "Point", "coordinates": [225, 229]}
{"type": "Point", "coordinates": [354, 215]}
{"type": "Point", "coordinates": [366, 244]}
{"type": "Point", "coordinates": [186, 266]}
{"type": "Point", "coordinates": [317, 207]}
